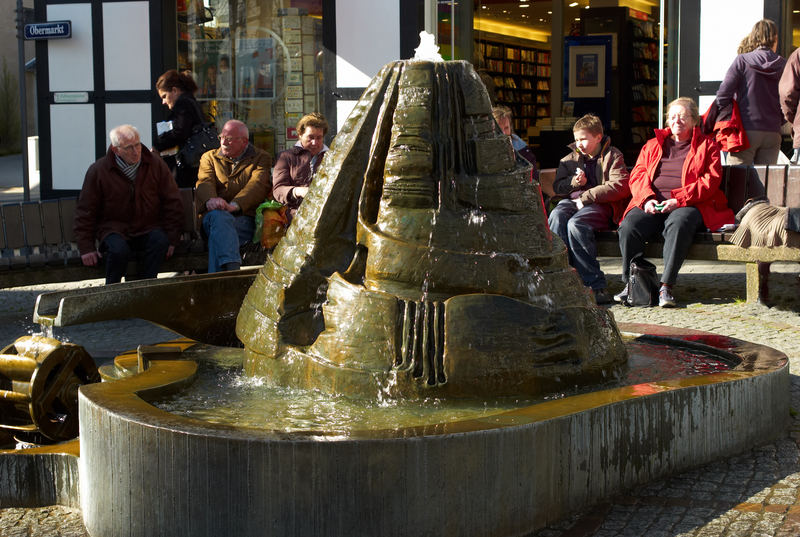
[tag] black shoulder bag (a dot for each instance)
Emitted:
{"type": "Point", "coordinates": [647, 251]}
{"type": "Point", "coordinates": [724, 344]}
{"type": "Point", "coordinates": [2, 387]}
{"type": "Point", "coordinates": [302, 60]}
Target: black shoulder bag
{"type": "Point", "coordinates": [642, 283]}
{"type": "Point", "coordinates": [204, 138]}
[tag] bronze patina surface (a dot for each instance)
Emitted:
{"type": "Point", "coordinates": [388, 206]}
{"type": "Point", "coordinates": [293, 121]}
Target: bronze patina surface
{"type": "Point", "coordinates": [202, 307]}
{"type": "Point", "coordinates": [421, 259]}
{"type": "Point", "coordinates": [39, 381]}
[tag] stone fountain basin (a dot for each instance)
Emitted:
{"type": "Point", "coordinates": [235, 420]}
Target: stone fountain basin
{"type": "Point", "coordinates": [146, 472]}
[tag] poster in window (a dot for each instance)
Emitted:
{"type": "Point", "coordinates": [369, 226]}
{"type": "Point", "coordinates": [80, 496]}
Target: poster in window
{"type": "Point", "coordinates": [294, 79]}
{"type": "Point", "coordinates": [309, 84]}
{"type": "Point", "coordinates": [294, 92]}
{"type": "Point", "coordinates": [290, 21]}
{"type": "Point", "coordinates": [294, 106]}
{"type": "Point", "coordinates": [295, 51]}
{"type": "Point", "coordinates": [308, 64]}
{"type": "Point", "coordinates": [292, 36]}
{"type": "Point", "coordinates": [211, 66]}
{"type": "Point", "coordinates": [255, 69]}
{"type": "Point", "coordinates": [587, 71]}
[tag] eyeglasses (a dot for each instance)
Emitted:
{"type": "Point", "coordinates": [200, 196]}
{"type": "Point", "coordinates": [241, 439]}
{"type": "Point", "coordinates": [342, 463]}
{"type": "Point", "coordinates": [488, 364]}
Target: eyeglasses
{"type": "Point", "coordinates": [131, 147]}
{"type": "Point", "coordinates": [229, 139]}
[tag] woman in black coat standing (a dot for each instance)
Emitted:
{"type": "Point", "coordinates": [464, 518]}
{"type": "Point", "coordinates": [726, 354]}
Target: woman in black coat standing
{"type": "Point", "coordinates": [176, 91]}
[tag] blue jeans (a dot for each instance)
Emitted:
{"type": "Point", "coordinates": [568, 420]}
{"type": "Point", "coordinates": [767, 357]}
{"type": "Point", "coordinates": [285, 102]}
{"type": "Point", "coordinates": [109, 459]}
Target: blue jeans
{"type": "Point", "coordinates": [226, 233]}
{"type": "Point", "coordinates": [576, 228]}
{"type": "Point", "coordinates": [150, 250]}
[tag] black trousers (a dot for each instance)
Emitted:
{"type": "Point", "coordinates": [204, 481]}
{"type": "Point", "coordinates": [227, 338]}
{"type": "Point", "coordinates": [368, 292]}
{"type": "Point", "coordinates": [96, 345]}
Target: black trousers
{"type": "Point", "coordinates": [677, 228]}
{"type": "Point", "coordinates": [150, 250]}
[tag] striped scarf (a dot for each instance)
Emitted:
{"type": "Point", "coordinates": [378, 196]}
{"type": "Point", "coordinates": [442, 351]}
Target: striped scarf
{"type": "Point", "coordinates": [128, 169]}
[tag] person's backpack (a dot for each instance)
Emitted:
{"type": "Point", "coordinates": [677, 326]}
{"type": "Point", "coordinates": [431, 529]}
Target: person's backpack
{"type": "Point", "coordinates": [642, 283]}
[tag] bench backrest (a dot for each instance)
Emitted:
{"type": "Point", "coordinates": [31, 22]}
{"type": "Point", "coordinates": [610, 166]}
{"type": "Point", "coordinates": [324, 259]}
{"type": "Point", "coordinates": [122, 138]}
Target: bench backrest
{"type": "Point", "coordinates": [41, 232]}
{"type": "Point", "coordinates": [781, 184]}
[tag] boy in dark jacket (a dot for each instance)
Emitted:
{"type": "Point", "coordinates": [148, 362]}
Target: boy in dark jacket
{"type": "Point", "coordinates": [593, 181]}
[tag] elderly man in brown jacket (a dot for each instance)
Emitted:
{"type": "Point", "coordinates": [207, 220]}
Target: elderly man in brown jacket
{"type": "Point", "coordinates": [130, 204]}
{"type": "Point", "coordinates": [231, 183]}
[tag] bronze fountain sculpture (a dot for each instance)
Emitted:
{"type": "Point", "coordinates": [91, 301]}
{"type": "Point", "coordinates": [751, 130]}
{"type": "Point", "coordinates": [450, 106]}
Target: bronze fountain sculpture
{"type": "Point", "coordinates": [423, 255]}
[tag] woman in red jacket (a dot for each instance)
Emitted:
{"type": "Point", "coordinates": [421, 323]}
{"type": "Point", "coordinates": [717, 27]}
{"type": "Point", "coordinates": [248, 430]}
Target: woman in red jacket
{"type": "Point", "coordinates": [675, 189]}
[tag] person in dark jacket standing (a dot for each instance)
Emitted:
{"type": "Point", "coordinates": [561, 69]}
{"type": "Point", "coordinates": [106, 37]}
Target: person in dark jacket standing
{"type": "Point", "coordinates": [176, 91]}
{"type": "Point", "coordinates": [294, 168]}
{"type": "Point", "coordinates": [130, 204]}
{"type": "Point", "coordinates": [752, 80]}
{"type": "Point", "coordinates": [789, 91]}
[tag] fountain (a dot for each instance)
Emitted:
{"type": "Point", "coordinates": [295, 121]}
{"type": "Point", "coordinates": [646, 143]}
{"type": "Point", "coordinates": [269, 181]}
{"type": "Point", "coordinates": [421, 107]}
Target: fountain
{"type": "Point", "coordinates": [419, 267]}
{"type": "Point", "coordinates": [423, 256]}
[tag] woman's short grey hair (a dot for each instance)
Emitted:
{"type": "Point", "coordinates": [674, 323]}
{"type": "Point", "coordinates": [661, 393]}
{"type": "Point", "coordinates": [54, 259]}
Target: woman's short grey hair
{"type": "Point", "coordinates": [689, 105]}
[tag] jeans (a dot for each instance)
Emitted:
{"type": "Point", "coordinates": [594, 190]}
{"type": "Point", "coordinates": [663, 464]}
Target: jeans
{"type": "Point", "coordinates": [576, 228]}
{"type": "Point", "coordinates": [150, 250]}
{"type": "Point", "coordinates": [677, 228]}
{"type": "Point", "coordinates": [226, 233]}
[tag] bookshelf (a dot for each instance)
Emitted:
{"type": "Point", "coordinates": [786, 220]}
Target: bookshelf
{"type": "Point", "coordinates": [634, 81]}
{"type": "Point", "coordinates": [644, 87]}
{"type": "Point", "coordinates": [521, 77]}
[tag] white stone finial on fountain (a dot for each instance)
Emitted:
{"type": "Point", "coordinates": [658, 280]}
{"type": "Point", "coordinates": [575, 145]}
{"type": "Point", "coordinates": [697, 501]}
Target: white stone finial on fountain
{"type": "Point", "coordinates": [427, 50]}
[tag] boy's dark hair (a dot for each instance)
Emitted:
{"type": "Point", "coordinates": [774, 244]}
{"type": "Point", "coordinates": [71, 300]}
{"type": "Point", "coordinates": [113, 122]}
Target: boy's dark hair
{"type": "Point", "coordinates": [589, 122]}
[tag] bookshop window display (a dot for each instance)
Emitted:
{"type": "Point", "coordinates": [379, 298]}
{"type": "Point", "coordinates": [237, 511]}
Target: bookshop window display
{"type": "Point", "coordinates": [254, 60]}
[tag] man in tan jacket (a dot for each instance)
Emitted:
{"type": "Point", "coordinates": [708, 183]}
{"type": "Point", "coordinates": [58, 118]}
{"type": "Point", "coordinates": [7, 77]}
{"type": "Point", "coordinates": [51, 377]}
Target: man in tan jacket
{"type": "Point", "coordinates": [231, 182]}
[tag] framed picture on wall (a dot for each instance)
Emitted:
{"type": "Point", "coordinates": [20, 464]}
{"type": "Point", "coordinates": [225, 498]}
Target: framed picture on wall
{"type": "Point", "coordinates": [255, 69]}
{"type": "Point", "coordinates": [211, 68]}
{"type": "Point", "coordinates": [587, 66]}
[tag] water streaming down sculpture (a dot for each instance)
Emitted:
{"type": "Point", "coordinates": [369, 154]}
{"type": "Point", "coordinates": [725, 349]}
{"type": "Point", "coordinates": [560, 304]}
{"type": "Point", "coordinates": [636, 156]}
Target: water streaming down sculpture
{"type": "Point", "coordinates": [421, 259]}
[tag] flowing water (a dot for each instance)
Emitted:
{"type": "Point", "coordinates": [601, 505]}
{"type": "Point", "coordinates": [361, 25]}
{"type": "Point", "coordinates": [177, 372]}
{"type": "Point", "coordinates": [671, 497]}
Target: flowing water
{"type": "Point", "coordinates": [223, 394]}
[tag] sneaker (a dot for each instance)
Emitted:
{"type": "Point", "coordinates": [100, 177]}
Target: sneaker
{"type": "Point", "coordinates": [622, 296]}
{"type": "Point", "coordinates": [665, 298]}
{"type": "Point", "coordinates": [601, 296]}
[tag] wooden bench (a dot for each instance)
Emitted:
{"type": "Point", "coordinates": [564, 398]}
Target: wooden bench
{"type": "Point", "coordinates": [37, 244]}
{"type": "Point", "coordinates": [781, 184]}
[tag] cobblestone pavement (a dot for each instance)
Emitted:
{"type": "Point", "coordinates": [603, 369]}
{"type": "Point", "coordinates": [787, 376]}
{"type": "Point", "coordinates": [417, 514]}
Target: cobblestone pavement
{"type": "Point", "coordinates": [51, 521]}
{"type": "Point", "coordinates": [756, 493]}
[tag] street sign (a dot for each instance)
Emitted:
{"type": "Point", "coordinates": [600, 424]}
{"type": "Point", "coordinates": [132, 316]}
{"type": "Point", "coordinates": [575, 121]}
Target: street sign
{"type": "Point", "coordinates": [49, 30]}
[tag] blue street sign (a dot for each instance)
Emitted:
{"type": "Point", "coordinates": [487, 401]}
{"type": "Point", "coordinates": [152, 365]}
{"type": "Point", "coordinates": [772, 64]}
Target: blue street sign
{"type": "Point", "coordinates": [49, 30]}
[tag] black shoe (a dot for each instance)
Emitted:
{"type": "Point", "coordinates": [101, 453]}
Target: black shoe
{"type": "Point", "coordinates": [601, 296]}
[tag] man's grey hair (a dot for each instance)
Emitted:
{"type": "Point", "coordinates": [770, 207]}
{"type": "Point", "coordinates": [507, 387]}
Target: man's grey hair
{"type": "Point", "coordinates": [123, 132]}
{"type": "Point", "coordinates": [238, 125]}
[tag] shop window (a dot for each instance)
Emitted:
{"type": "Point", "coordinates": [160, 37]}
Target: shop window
{"type": "Point", "coordinates": [254, 60]}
